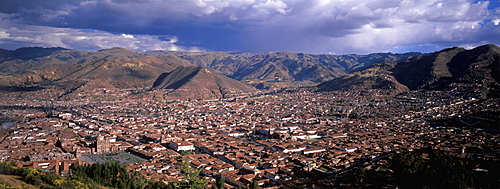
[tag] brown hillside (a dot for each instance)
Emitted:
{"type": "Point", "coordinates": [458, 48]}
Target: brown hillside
{"type": "Point", "coordinates": [15, 181]}
{"type": "Point", "coordinates": [199, 82]}
{"type": "Point", "coordinates": [476, 70]}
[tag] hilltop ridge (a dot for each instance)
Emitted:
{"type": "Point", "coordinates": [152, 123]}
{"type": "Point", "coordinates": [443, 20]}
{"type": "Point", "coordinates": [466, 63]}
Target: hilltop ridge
{"type": "Point", "coordinates": [200, 82]}
{"type": "Point", "coordinates": [452, 68]}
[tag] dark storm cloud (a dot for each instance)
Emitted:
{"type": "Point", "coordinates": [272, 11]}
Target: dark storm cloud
{"type": "Point", "coordinates": [317, 26]}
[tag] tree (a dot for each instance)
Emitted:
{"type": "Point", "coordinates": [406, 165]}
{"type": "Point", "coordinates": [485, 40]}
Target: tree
{"type": "Point", "coordinates": [156, 185]}
{"type": "Point", "coordinates": [254, 184]}
{"type": "Point", "coordinates": [448, 171]}
{"type": "Point", "coordinates": [275, 136]}
{"type": "Point", "coordinates": [6, 168]}
{"type": "Point", "coordinates": [219, 184]}
{"type": "Point", "coordinates": [354, 115]}
{"type": "Point", "coordinates": [192, 177]}
{"type": "Point", "coordinates": [26, 158]}
{"type": "Point", "coordinates": [439, 170]}
{"type": "Point", "coordinates": [361, 176]}
{"type": "Point", "coordinates": [110, 174]}
{"type": "Point", "coordinates": [408, 168]}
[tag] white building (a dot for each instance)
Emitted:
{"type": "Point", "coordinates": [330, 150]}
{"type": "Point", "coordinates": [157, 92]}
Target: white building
{"type": "Point", "coordinates": [181, 145]}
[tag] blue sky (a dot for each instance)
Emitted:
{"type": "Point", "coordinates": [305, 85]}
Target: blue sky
{"type": "Point", "coordinates": [311, 26]}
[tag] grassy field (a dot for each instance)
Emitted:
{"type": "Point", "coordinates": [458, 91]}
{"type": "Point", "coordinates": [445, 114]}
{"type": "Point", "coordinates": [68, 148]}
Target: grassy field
{"type": "Point", "coordinates": [13, 180]}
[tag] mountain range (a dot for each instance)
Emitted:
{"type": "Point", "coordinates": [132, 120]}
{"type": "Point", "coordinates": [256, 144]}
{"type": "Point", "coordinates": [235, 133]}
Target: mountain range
{"type": "Point", "coordinates": [216, 72]}
{"type": "Point", "coordinates": [454, 68]}
{"type": "Point", "coordinates": [264, 69]}
{"type": "Point", "coordinates": [282, 66]}
{"type": "Point", "coordinates": [121, 66]}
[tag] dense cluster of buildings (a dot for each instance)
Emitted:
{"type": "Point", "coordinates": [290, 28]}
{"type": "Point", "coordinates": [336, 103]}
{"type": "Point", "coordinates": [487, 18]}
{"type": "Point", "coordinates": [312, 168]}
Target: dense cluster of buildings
{"type": "Point", "coordinates": [276, 139]}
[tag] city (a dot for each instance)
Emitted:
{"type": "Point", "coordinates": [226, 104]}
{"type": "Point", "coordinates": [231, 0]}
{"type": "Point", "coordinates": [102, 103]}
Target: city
{"type": "Point", "coordinates": [295, 138]}
{"type": "Point", "coordinates": [249, 94]}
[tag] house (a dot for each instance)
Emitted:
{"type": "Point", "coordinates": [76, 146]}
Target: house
{"type": "Point", "coordinates": [349, 149]}
{"type": "Point", "coordinates": [181, 145]}
{"type": "Point", "coordinates": [305, 136]}
{"type": "Point", "coordinates": [157, 147]}
{"type": "Point", "coordinates": [313, 150]}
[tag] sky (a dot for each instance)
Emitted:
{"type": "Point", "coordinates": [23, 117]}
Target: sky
{"type": "Point", "coordinates": [256, 26]}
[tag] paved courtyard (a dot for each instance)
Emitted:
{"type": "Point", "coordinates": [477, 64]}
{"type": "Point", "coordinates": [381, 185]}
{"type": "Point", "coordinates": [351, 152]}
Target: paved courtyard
{"type": "Point", "coordinates": [121, 157]}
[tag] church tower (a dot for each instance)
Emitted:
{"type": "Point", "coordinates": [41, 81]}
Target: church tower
{"type": "Point", "coordinates": [78, 153]}
{"type": "Point", "coordinates": [102, 145]}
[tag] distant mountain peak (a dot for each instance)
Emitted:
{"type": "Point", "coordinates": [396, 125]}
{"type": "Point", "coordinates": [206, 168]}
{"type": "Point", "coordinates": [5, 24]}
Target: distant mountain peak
{"type": "Point", "coordinates": [40, 48]}
{"type": "Point", "coordinates": [25, 53]}
{"type": "Point", "coordinates": [116, 49]}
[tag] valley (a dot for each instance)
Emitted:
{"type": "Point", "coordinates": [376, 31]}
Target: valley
{"type": "Point", "coordinates": [167, 110]}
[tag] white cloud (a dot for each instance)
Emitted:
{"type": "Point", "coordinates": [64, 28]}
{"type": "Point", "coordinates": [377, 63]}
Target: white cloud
{"type": "Point", "coordinates": [496, 22]}
{"type": "Point", "coordinates": [19, 35]}
{"type": "Point", "coordinates": [273, 5]}
{"type": "Point", "coordinates": [340, 26]}
{"type": "Point", "coordinates": [127, 36]}
{"type": "Point", "coordinates": [344, 26]}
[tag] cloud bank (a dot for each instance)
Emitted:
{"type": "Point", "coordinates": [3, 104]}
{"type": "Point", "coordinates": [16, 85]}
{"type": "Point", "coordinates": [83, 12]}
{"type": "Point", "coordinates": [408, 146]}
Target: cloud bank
{"type": "Point", "coordinates": [315, 26]}
{"type": "Point", "coordinates": [14, 35]}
